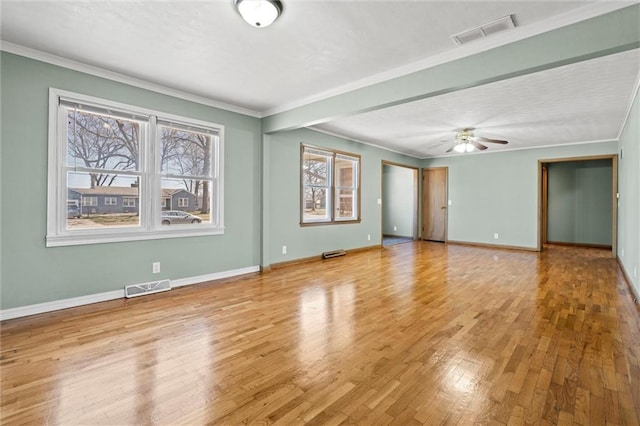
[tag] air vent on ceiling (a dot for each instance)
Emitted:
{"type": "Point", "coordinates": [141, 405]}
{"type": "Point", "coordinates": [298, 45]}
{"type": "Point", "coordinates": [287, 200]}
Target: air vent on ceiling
{"type": "Point", "coordinates": [502, 24]}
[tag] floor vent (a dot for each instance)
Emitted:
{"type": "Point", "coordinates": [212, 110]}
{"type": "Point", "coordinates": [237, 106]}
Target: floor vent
{"type": "Point", "coordinates": [502, 24]}
{"type": "Point", "coordinates": [135, 290]}
{"type": "Point", "coordinates": [334, 253]}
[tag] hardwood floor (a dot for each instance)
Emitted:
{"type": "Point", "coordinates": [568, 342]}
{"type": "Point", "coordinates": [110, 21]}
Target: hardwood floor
{"type": "Point", "coordinates": [417, 333]}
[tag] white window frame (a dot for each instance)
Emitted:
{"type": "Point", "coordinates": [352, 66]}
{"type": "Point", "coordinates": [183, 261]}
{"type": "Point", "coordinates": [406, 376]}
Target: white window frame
{"type": "Point", "coordinates": [89, 201]}
{"type": "Point", "coordinates": [150, 211]}
{"type": "Point", "coordinates": [110, 201]}
{"type": "Point", "coordinates": [128, 201]}
{"type": "Point", "coordinates": [183, 202]}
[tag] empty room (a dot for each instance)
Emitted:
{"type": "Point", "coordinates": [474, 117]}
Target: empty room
{"type": "Point", "coordinates": [319, 212]}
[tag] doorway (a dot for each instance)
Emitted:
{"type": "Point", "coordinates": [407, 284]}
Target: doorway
{"type": "Point", "coordinates": [434, 204]}
{"type": "Point", "coordinates": [578, 202]}
{"type": "Point", "coordinates": [399, 203]}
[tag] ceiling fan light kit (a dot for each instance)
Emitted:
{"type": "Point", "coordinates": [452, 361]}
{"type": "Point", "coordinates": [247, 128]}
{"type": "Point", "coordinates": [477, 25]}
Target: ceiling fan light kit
{"type": "Point", "coordinates": [466, 141]}
{"type": "Point", "coordinates": [259, 13]}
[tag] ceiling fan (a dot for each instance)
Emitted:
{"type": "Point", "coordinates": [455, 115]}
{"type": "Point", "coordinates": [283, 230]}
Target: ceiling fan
{"type": "Point", "coordinates": [466, 141]}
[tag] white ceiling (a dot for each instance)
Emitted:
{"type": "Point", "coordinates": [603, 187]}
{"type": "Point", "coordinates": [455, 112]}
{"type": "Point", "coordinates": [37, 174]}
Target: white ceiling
{"type": "Point", "coordinates": [318, 48]}
{"type": "Point", "coordinates": [582, 102]}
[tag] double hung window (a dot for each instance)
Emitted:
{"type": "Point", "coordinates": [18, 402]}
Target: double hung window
{"type": "Point", "coordinates": [330, 186]}
{"type": "Point", "coordinates": [124, 166]}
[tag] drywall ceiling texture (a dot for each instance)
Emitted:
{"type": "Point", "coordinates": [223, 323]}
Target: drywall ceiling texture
{"type": "Point", "coordinates": [577, 103]}
{"type": "Point", "coordinates": [316, 47]}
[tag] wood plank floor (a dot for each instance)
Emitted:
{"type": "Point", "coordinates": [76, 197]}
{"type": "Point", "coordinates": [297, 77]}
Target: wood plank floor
{"type": "Point", "coordinates": [417, 333]}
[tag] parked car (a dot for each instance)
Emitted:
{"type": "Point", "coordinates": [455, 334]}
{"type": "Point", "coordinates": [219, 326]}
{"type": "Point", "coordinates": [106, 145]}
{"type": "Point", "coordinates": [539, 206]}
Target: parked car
{"type": "Point", "coordinates": [177, 216]}
{"type": "Point", "coordinates": [73, 212]}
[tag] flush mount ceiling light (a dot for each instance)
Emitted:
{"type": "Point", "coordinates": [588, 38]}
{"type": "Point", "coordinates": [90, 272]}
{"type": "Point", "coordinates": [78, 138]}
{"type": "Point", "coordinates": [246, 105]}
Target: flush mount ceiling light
{"type": "Point", "coordinates": [259, 13]}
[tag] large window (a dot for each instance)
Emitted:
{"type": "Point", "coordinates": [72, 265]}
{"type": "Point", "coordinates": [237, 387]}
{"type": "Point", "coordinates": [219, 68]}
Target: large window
{"type": "Point", "coordinates": [101, 152]}
{"type": "Point", "coordinates": [330, 186]}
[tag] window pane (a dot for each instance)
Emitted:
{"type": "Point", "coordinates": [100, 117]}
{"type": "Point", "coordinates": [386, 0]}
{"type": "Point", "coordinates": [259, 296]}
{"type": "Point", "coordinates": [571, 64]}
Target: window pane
{"type": "Point", "coordinates": [184, 152]}
{"type": "Point", "coordinates": [316, 204]}
{"type": "Point", "coordinates": [345, 204]}
{"type": "Point", "coordinates": [95, 206]}
{"type": "Point", "coordinates": [346, 170]}
{"type": "Point", "coordinates": [102, 142]}
{"type": "Point", "coordinates": [186, 201]}
{"type": "Point", "coordinates": [315, 169]}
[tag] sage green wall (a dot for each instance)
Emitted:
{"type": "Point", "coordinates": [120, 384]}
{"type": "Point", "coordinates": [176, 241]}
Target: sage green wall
{"type": "Point", "coordinates": [629, 189]}
{"type": "Point", "coordinates": [579, 202]}
{"type": "Point", "coordinates": [398, 201]}
{"type": "Point", "coordinates": [32, 273]}
{"type": "Point", "coordinates": [497, 192]}
{"type": "Point", "coordinates": [284, 197]}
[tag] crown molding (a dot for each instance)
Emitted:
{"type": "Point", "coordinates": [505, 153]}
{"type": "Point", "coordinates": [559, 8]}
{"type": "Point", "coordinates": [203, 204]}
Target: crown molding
{"type": "Point", "coordinates": [363, 142]}
{"type": "Point", "coordinates": [523, 149]}
{"type": "Point", "coordinates": [634, 94]}
{"type": "Point", "coordinates": [588, 11]}
{"type": "Point", "coordinates": [48, 58]}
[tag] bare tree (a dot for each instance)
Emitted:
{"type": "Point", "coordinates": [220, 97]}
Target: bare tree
{"type": "Point", "coordinates": [314, 176]}
{"type": "Point", "coordinates": [102, 142]}
{"type": "Point", "coordinates": [189, 155]}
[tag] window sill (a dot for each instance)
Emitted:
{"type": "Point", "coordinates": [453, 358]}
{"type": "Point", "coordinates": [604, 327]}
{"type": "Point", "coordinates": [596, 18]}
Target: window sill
{"type": "Point", "coordinates": [335, 222]}
{"type": "Point", "coordinates": [71, 239]}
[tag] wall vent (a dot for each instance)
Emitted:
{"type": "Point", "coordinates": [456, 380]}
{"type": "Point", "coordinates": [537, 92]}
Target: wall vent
{"type": "Point", "coordinates": [334, 253]}
{"type": "Point", "coordinates": [135, 290]}
{"type": "Point", "coordinates": [505, 23]}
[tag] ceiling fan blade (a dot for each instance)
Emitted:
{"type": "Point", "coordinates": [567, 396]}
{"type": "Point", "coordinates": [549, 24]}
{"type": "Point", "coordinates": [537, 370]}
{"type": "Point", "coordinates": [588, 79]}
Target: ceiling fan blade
{"type": "Point", "coordinates": [491, 140]}
{"type": "Point", "coordinates": [450, 149]}
{"type": "Point", "coordinates": [478, 145]}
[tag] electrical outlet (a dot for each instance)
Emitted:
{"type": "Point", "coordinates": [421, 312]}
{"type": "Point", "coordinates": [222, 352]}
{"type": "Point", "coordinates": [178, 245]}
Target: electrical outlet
{"type": "Point", "coordinates": [635, 272]}
{"type": "Point", "coordinates": [622, 253]}
{"type": "Point", "coordinates": [368, 237]}
{"type": "Point", "coordinates": [496, 236]}
{"type": "Point", "coordinates": [284, 249]}
{"type": "Point", "coordinates": [449, 202]}
{"type": "Point", "coordinates": [395, 228]}
{"type": "Point", "coordinates": [155, 267]}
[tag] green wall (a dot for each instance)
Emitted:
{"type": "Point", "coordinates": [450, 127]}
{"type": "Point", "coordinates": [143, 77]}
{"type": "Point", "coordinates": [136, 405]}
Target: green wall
{"type": "Point", "coordinates": [579, 202]}
{"type": "Point", "coordinates": [32, 273]}
{"type": "Point", "coordinates": [497, 192]}
{"type": "Point", "coordinates": [398, 201]}
{"type": "Point", "coordinates": [629, 189]}
{"type": "Point", "coordinates": [490, 193]}
{"type": "Point", "coordinates": [284, 193]}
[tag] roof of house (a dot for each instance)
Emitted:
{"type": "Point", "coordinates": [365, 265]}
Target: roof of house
{"type": "Point", "coordinates": [126, 191]}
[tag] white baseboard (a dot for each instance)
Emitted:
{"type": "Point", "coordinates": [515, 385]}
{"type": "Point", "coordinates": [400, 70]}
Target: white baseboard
{"type": "Point", "coordinates": [215, 276]}
{"type": "Point", "coordinates": [39, 308]}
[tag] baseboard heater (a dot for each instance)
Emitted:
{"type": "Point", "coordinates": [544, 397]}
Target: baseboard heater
{"type": "Point", "coordinates": [135, 290]}
{"type": "Point", "coordinates": [334, 253]}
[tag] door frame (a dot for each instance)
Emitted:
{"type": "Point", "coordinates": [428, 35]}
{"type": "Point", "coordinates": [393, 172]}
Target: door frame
{"type": "Point", "coordinates": [446, 196]}
{"type": "Point", "coordinates": [543, 187]}
{"type": "Point", "coordinates": [416, 185]}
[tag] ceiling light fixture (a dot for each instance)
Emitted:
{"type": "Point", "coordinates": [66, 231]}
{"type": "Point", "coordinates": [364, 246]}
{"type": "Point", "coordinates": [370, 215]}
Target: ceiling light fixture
{"type": "Point", "coordinates": [259, 13]}
{"type": "Point", "coordinates": [463, 147]}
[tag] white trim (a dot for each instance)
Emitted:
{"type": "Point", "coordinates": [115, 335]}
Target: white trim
{"type": "Point", "coordinates": [39, 308]}
{"type": "Point", "coordinates": [348, 138]}
{"type": "Point", "coordinates": [213, 277]}
{"type": "Point", "coordinates": [56, 305]}
{"type": "Point", "coordinates": [113, 236]}
{"type": "Point", "coordinates": [589, 11]}
{"type": "Point", "coordinates": [48, 58]}
{"type": "Point", "coordinates": [634, 94]}
{"type": "Point", "coordinates": [521, 149]}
